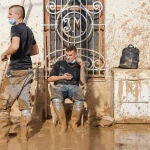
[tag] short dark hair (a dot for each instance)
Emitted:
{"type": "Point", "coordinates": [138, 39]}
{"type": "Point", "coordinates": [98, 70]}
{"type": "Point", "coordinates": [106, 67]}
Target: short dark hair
{"type": "Point", "coordinates": [71, 47]}
{"type": "Point", "coordinates": [19, 7]}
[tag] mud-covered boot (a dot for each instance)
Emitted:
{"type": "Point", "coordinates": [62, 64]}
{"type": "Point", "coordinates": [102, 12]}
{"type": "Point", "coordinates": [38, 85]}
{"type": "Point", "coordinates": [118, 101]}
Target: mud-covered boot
{"type": "Point", "coordinates": [24, 123]}
{"type": "Point", "coordinates": [4, 127]}
{"type": "Point", "coordinates": [75, 118]}
{"type": "Point", "coordinates": [76, 115]}
{"type": "Point", "coordinates": [60, 112]}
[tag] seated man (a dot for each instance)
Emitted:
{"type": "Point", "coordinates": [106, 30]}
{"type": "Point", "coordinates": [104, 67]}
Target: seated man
{"type": "Point", "coordinates": [66, 75]}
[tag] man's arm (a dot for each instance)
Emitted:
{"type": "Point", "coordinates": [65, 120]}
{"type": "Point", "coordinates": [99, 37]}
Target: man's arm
{"type": "Point", "coordinates": [13, 47]}
{"type": "Point", "coordinates": [82, 70]}
{"type": "Point", "coordinates": [83, 79]}
{"type": "Point", "coordinates": [55, 78]}
{"type": "Point", "coordinates": [66, 76]}
{"type": "Point", "coordinates": [35, 50]}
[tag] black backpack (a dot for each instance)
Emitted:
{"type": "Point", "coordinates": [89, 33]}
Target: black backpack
{"type": "Point", "coordinates": [129, 58]}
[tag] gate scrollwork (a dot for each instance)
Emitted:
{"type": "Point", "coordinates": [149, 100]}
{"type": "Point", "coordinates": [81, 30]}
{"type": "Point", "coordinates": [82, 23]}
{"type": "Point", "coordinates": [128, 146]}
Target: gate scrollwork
{"type": "Point", "coordinates": [77, 23]}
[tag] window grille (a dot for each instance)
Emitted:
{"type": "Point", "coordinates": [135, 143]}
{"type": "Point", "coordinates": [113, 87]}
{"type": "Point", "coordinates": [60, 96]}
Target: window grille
{"type": "Point", "coordinates": [77, 22]}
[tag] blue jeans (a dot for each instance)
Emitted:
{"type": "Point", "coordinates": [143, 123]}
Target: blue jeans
{"type": "Point", "coordinates": [72, 92]}
{"type": "Point", "coordinates": [60, 92]}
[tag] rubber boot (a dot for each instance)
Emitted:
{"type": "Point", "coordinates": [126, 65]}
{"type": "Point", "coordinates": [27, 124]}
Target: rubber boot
{"type": "Point", "coordinates": [4, 126]}
{"type": "Point", "coordinates": [60, 112]}
{"type": "Point", "coordinates": [76, 115]}
{"type": "Point", "coordinates": [24, 123]}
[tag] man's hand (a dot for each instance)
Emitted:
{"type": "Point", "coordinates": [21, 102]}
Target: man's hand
{"type": "Point", "coordinates": [68, 76]}
{"type": "Point", "coordinates": [4, 57]}
{"type": "Point", "coordinates": [79, 61]}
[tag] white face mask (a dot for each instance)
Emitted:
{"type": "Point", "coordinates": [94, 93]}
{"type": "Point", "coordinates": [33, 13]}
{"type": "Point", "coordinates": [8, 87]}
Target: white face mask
{"type": "Point", "coordinates": [73, 61]}
{"type": "Point", "coordinates": [12, 21]}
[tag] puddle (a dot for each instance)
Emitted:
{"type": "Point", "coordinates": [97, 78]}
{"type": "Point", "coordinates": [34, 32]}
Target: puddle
{"type": "Point", "coordinates": [117, 137]}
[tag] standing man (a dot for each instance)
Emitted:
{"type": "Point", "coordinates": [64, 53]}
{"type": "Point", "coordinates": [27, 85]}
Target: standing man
{"type": "Point", "coordinates": [17, 82]}
{"type": "Point", "coordinates": [66, 75]}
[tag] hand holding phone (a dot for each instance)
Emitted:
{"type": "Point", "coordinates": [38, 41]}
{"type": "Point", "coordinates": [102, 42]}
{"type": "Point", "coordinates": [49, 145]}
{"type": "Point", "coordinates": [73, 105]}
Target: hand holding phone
{"type": "Point", "coordinates": [68, 76]}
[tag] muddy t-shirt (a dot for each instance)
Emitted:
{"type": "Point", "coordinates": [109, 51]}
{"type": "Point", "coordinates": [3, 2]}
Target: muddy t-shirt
{"type": "Point", "coordinates": [21, 60]}
{"type": "Point", "coordinates": [62, 67]}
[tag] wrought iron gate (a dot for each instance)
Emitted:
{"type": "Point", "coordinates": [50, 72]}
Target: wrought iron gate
{"type": "Point", "coordinates": [77, 22]}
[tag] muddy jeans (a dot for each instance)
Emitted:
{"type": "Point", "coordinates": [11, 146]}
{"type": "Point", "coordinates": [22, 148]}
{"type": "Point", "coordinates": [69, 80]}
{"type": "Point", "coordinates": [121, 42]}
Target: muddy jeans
{"type": "Point", "coordinates": [67, 91]}
{"type": "Point", "coordinates": [16, 86]}
{"type": "Point", "coordinates": [60, 92]}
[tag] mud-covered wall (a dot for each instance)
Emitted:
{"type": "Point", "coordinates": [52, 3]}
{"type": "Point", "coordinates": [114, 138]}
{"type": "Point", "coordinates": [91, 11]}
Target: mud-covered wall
{"type": "Point", "coordinates": [126, 22]}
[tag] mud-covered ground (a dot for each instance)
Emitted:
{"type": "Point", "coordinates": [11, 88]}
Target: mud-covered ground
{"type": "Point", "coordinates": [43, 136]}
